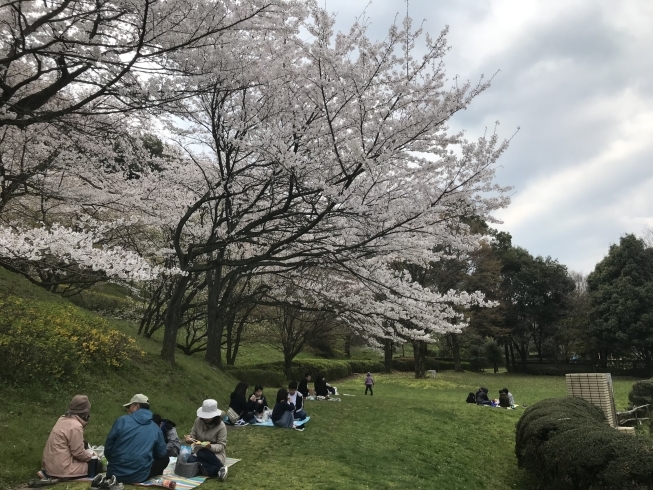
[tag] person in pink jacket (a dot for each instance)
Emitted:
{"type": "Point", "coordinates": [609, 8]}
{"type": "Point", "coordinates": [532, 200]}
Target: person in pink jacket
{"type": "Point", "coordinates": [64, 455]}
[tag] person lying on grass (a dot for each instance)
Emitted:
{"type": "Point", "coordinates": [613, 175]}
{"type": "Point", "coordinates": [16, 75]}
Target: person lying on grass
{"type": "Point", "coordinates": [64, 455]}
{"type": "Point", "coordinates": [169, 431]}
{"type": "Point", "coordinates": [209, 439]}
{"type": "Point", "coordinates": [283, 413]}
{"type": "Point", "coordinates": [257, 402]}
{"type": "Point", "coordinates": [296, 398]}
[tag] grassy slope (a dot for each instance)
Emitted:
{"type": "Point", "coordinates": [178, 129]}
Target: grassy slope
{"type": "Point", "coordinates": [411, 434]}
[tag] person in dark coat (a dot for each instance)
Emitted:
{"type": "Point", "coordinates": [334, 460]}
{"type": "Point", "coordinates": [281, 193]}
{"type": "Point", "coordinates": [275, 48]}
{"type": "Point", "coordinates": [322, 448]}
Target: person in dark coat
{"type": "Point", "coordinates": [283, 412]}
{"type": "Point", "coordinates": [303, 385]}
{"type": "Point", "coordinates": [320, 385]}
{"type": "Point", "coordinates": [481, 397]}
{"type": "Point", "coordinates": [135, 447]}
{"type": "Point", "coordinates": [238, 403]}
{"type": "Point", "coordinates": [169, 430]}
{"type": "Point", "coordinates": [257, 402]}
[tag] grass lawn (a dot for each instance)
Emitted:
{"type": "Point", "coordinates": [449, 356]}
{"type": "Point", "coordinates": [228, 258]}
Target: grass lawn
{"type": "Point", "coordinates": [410, 434]}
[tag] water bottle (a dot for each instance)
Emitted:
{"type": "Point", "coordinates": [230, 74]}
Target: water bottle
{"type": "Point", "coordinates": [162, 482]}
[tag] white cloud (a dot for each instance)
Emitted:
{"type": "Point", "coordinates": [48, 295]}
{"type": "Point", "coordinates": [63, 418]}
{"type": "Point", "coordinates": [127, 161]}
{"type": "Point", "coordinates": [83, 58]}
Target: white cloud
{"type": "Point", "coordinates": [576, 76]}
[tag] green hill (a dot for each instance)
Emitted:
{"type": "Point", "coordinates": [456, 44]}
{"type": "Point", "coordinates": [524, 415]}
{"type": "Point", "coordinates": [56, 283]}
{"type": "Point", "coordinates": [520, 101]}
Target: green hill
{"type": "Point", "coordinates": [27, 414]}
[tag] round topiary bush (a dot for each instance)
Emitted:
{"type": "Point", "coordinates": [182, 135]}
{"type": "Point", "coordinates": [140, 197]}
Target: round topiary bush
{"type": "Point", "coordinates": [567, 443]}
{"type": "Point", "coordinates": [641, 393]}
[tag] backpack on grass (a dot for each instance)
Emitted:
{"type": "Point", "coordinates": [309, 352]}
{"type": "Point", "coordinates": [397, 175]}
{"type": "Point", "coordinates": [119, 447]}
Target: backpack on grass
{"type": "Point", "coordinates": [471, 398]}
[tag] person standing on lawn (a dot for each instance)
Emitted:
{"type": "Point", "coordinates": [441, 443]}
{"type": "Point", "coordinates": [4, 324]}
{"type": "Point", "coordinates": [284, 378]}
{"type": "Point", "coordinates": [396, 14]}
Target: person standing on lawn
{"type": "Point", "coordinates": [369, 382]}
{"type": "Point", "coordinates": [135, 447]}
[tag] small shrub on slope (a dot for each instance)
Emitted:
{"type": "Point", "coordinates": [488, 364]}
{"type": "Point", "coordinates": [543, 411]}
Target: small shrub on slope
{"type": "Point", "coordinates": [47, 341]}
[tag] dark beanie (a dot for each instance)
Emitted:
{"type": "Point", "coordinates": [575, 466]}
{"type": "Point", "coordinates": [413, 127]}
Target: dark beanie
{"type": "Point", "coordinates": [79, 405]}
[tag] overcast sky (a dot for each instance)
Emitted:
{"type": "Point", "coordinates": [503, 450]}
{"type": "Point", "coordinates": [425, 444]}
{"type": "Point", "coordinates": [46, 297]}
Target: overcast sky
{"type": "Point", "coordinates": [577, 77]}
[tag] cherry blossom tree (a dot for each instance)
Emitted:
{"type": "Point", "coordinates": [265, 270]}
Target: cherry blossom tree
{"type": "Point", "coordinates": [335, 151]}
{"type": "Point", "coordinates": [63, 57]}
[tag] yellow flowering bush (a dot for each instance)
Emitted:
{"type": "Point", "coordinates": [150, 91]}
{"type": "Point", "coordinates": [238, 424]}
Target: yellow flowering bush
{"type": "Point", "coordinates": [53, 341]}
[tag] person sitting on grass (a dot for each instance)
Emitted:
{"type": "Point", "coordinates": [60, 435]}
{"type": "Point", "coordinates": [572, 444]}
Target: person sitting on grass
{"type": "Point", "coordinates": [238, 403]}
{"type": "Point", "coordinates": [283, 411]}
{"type": "Point", "coordinates": [303, 385]}
{"type": "Point", "coordinates": [481, 397]}
{"type": "Point", "coordinates": [322, 388]}
{"type": "Point", "coordinates": [296, 398]}
{"type": "Point", "coordinates": [505, 398]}
{"type": "Point", "coordinates": [135, 447]}
{"type": "Point", "coordinates": [257, 402]}
{"type": "Point", "coordinates": [169, 430]}
{"type": "Point", "coordinates": [209, 439]}
{"type": "Point", "coordinates": [65, 455]}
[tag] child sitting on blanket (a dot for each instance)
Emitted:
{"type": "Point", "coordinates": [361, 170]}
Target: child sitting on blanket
{"type": "Point", "coordinates": [257, 402]}
{"type": "Point", "coordinates": [296, 398]}
{"type": "Point", "coordinates": [283, 414]}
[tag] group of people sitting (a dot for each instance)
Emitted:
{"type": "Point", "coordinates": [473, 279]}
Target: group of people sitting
{"type": "Point", "coordinates": [505, 399]}
{"type": "Point", "coordinates": [138, 447]}
{"type": "Point", "coordinates": [288, 406]}
{"type": "Point", "coordinates": [140, 443]}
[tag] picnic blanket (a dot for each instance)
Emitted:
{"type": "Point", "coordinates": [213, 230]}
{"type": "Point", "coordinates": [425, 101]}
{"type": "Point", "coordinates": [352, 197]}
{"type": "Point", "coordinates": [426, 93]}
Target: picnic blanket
{"type": "Point", "coordinates": [169, 474]}
{"type": "Point", "coordinates": [182, 483]}
{"type": "Point", "coordinates": [268, 423]}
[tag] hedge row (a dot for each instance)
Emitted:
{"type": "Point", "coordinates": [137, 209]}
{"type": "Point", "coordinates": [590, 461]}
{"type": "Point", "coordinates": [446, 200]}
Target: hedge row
{"type": "Point", "coordinates": [408, 364]}
{"type": "Point", "coordinates": [271, 373]}
{"type": "Point", "coordinates": [562, 369]}
{"type": "Point", "coordinates": [567, 443]}
{"type": "Point", "coordinates": [263, 377]}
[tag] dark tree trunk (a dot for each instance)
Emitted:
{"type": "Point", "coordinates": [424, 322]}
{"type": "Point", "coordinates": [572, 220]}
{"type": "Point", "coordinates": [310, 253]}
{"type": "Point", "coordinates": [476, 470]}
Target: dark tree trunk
{"type": "Point", "coordinates": [232, 347]}
{"type": "Point", "coordinates": [214, 322]}
{"type": "Point", "coordinates": [173, 319]}
{"type": "Point", "coordinates": [419, 349]}
{"type": "Point", "coordinates": [512, 358]}
{"type": "Point", "coordinates": [387, 355]}
{"type": "Point", "coordinates": [287, 366]}
{"type": "Point", "coordinates": [507, 354]}
{"type": "Point", "coordinates": [496, 367]}
{"type": "Point", "coordinates": [348, 346]}
{"type": "Point", "coordinates": [455, 350]}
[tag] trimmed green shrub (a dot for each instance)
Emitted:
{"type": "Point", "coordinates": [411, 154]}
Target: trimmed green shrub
{"type": "Point", "coordinates": [263, 377]}
{"type": "Point", "coordinates": [407, 364]}
{"type": "Point", "coordinates": [366, 366]}
{"type": "Point", "coordinates": [55, 341]}
{"type": "Point", "coordinates": [567, 443]}
{"type": "Point", "coordinates": [641, 393]}
{"type": "Point", "coordinates": [562, 369]}
{"type": "Point", "coordinates": [331, 369]}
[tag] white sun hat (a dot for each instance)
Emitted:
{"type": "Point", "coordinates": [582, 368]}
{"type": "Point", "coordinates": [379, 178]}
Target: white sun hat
{"type": "Point", "coordinates": [208, 410]}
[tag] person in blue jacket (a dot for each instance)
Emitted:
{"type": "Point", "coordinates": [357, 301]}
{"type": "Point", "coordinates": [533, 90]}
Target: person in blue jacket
{"type": "Point", "coordinates": [135, 447]}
